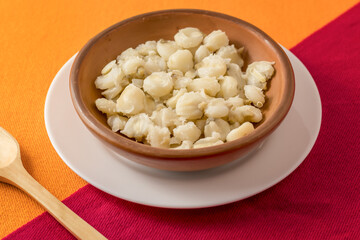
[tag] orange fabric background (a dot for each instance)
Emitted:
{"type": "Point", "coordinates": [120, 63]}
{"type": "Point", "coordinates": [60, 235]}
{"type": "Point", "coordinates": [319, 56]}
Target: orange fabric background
{"type": "Point", "coordinates": [37, 37]}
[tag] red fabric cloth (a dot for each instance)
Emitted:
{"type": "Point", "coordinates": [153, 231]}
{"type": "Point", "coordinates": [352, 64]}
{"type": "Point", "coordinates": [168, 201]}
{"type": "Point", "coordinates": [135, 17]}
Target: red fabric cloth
{"type": "Point", "coordinates": [320, 200]}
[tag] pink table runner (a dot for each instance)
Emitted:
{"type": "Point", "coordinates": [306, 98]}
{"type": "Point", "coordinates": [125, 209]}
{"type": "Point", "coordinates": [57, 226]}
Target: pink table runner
{"type": "Point", "coordinates": [320, 200]}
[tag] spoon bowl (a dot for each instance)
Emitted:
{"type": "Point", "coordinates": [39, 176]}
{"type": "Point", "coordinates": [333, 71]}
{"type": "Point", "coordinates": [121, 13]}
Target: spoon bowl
{"type": "Point", "coordinates": [13, 172]}
{"type": "Point", "coordinates": [9, 151]}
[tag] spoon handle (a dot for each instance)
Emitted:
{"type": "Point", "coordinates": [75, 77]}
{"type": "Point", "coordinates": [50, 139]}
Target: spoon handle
{"type": "Point", "coordinates": [19, 177]}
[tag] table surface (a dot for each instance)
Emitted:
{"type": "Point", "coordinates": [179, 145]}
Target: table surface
{"type": "Point", "coordinates": [38, 37]}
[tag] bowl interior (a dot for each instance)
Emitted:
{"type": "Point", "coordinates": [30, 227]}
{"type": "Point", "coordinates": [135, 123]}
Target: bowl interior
{"type": "Point", "coordinates": [129, 33]}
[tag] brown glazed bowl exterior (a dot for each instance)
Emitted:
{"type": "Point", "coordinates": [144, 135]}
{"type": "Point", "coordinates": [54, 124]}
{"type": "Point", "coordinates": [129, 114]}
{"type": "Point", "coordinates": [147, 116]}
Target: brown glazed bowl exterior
{"type": "Point", "coordinates": [105, 46]}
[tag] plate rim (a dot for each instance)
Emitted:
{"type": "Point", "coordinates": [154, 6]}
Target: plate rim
{"type": "Point", "coordinates": [169, 205]}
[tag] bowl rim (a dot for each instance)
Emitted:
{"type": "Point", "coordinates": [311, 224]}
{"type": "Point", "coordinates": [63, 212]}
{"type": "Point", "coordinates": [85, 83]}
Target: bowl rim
{"type": "Point", "coordinates": [128, 144]}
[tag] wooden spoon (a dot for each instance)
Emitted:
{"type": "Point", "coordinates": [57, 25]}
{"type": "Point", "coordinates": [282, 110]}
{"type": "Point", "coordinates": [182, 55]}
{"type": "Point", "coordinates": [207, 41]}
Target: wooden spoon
{"type": "Point", "coordinates": [13, 172]}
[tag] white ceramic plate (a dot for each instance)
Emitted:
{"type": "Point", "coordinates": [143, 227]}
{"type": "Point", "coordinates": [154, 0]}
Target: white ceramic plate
{"type": "Point", "coordinates": [280, 155]}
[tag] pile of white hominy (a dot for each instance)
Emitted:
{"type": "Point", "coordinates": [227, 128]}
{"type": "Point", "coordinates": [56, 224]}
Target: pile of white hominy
{"type": "Point", "coordinates": [182, 94]}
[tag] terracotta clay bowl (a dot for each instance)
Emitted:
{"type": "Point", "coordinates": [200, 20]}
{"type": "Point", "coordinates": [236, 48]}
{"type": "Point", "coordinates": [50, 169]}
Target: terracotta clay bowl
{"type": "Point", "coordinates": [105, 46]}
